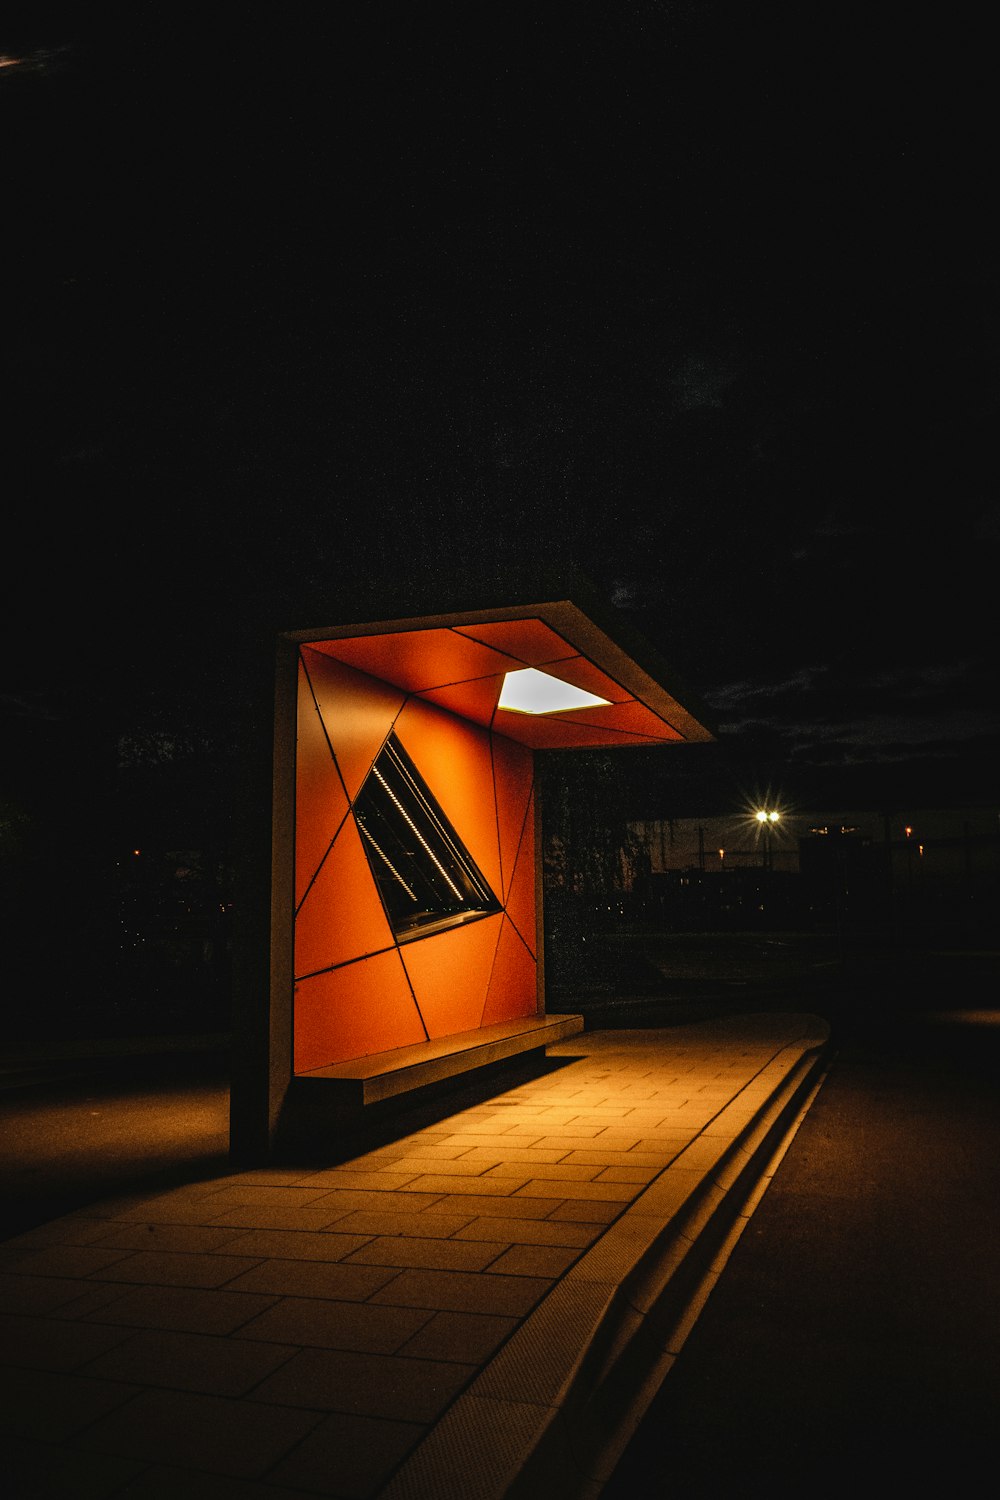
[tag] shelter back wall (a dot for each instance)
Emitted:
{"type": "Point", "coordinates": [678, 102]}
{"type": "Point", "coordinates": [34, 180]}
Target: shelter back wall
{"type": "Point", "coordinates": [357, 990]}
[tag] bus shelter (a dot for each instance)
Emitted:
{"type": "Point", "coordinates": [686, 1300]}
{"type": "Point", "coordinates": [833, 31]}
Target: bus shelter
{"type": "Point", "coordinates": [406, 932]}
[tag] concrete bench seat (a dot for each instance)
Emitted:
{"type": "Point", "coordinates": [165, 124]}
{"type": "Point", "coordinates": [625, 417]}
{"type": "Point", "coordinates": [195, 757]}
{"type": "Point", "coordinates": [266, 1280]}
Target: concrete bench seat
{"type": "Point", "coordinates": [385, 1075]}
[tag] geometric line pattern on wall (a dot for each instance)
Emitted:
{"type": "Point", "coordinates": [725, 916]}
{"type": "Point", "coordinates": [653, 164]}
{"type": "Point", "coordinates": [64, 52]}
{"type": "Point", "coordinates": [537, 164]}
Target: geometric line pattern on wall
{"type": "Point", "coordinates": [455, 761]}
{"type": "Point", "coordinates": [513, 780]}
{"type": "Point", "coordinates": [357, 710]}
{"type": "Point", "coordinates": [341, 917]}
{"type": "Point", "coordinates": [450, 975]}
{"type": "Point", "coordinates": [463, 668]}
{"type": "Point", "coordinates": [320, 798]}
{"type": "Point", "coordinates": [353, 1011]}
{"type": "Point", "coordinates": [365, 982]}
{"type": "Point", "coordinates": [513, 976]}
{"type": "Point", "coordinates": [520, 902]}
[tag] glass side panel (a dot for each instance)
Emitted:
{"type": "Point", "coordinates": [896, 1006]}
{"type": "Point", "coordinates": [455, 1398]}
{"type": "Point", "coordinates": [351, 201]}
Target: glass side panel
{"type": "Point", "coordinates": [426, 877]}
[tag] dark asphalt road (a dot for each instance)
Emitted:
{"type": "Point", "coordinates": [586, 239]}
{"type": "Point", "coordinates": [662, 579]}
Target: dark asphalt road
{"type": "Point", "coordinates": [853, 1341]}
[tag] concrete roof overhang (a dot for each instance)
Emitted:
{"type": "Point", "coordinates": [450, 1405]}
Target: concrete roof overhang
{"type": "Point", "coordinates": [459, 661]}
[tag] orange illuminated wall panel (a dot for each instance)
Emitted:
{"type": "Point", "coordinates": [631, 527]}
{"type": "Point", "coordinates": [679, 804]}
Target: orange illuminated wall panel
{"type": "Point", "coordinates": [365, 982]}
{"type": "Point", "coordinates": [354, 1010]}
{"type": "Point", "coordinates": [513, 970]}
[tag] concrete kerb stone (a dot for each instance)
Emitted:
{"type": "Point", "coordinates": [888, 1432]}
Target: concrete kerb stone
{"type": "Point", "coordinates": [602, 1405]}
{"type": "Point", "coordinates": [577, 1376]}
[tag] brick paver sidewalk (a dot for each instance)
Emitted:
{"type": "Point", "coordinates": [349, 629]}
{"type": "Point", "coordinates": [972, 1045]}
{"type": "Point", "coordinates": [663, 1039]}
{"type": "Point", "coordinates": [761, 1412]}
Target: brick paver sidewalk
{"type": "Point", "coordinates": [351, 1330]}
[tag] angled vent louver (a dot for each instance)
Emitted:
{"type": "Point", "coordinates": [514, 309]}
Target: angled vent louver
{"type": "Point", "coordinates": [425, 876]}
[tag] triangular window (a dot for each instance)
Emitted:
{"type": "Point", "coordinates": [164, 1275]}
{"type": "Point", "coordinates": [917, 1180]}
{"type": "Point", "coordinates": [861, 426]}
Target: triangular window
{"type": "Point", "coordinates": [425, 876]}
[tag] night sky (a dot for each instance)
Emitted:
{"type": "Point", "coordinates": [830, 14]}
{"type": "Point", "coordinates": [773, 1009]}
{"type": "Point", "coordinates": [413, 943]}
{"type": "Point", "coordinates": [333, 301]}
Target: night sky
{"type": "Point", "coordinates": [701, 299]}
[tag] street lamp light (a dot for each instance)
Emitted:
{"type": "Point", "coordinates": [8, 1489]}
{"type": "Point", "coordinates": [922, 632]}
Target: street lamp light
{"type": "Point", "coordinates": [767, 818]}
